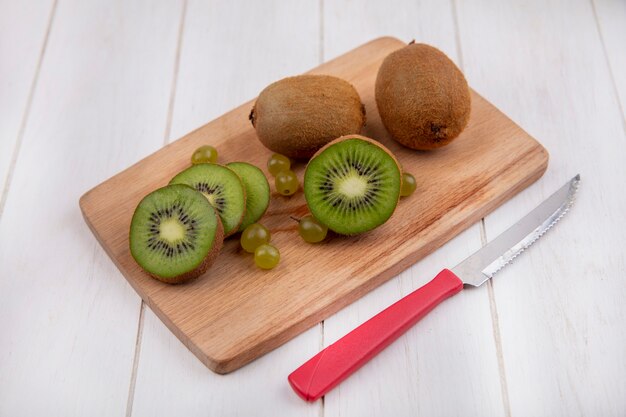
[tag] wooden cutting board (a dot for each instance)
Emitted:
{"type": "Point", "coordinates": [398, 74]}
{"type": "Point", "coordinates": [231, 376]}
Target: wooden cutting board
{"type": "Point", "coordinates": [237, 312]}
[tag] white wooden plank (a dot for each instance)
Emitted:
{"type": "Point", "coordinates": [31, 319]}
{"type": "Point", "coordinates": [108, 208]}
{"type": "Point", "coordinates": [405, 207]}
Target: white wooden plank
{"type": "Point", "coordinates": [451, 353]}
{"type": "Point", "coordinates": [230, 52]}
{"type": "Point", "coordinates": [68, 319]}
{"type": "Point", "coordinates": [560, 306]}
{"type": "Point", "coordinates": [611, 18]}
{"type": "Point", "coordinates": [425, 21]}
{"type": "Point", "coordinates": [23, 28]}
{"type": "Point", "coordinates": [171, 381]}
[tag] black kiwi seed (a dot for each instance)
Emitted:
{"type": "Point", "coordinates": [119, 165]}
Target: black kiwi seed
{"type": "Point", "coordinates": [222, 187]}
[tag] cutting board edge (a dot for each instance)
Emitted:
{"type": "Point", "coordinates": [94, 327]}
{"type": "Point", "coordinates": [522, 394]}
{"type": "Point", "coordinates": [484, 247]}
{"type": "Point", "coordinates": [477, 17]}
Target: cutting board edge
{"type": "Point", "coordinates": [224, 364]}
{"type": "Point", "coordinates": [84, 199]}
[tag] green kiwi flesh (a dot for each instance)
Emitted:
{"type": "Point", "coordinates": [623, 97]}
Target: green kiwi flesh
{"type": "Point", "coordinates": [423, 98]}
{"type": "Point", "coordinates": [222, 188]}
{"type": "Point", "coordinates": [257, 191]}
{"type": "Point", "coordinates": [352, 185]}
{"type": "Point", "coordinates": [175, 234]}
{"type": "Point", "coordinates": [298, 115]}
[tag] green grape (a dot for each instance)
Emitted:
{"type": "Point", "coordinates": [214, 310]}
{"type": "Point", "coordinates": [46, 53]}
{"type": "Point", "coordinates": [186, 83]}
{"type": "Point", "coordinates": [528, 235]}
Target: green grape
{"type": "Point", "coordinates": [311, 230]}
{"type": "Point", "coordinates": [254, 236]}
{"type": "Point", "coordinates": [278, 163]}
{"type": "Point", "coordinates": [408, 185]}
{"type": "Point", "coordinates": [286, 182]}
{"type": "Point", "coordinates": [204, 154]}
{"type": "Point", "coordinates": [266, 256]}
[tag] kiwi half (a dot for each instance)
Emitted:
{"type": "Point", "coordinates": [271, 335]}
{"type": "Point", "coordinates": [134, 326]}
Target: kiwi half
{"type": "Point", "coordinates": [352, 185]}
{"type": "Point", "coordinates": [298, 115]}
{"type": "Point", "coordinates": [222, 188]}
{"type": "Point", "coordinates": [175, 234]}
{"type": "Point", "coordinates": [422, 97]}
{"type": "Point", "coordinates": [257, 191]}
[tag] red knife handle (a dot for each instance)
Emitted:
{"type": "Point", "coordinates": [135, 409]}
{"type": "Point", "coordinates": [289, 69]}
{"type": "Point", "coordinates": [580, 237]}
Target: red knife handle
{"type": "Point", "coordinates": [332, 365]}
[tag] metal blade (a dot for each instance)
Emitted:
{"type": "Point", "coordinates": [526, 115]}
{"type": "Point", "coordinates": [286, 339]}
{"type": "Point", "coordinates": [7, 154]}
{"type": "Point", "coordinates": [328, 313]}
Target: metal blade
{"type": "Point", "coordinates": [501, 251]}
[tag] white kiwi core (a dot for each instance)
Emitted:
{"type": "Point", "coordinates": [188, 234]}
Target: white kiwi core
{"type": "Point", "coordinates": [172, 230]}
{"type": "Point", "coordinates": [353, 185]}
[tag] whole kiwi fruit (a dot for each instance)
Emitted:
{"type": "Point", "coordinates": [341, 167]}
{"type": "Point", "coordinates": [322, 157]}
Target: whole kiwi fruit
{"type": "Point", "coordinates": [296, 116]}
{"type": "Point", "coordinates": [422, 97]}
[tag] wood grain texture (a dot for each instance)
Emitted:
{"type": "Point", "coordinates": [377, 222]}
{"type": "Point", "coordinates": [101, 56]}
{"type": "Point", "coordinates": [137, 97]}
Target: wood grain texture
{"type": "Point", "coordinates": [561, 305]}
{"type": "Point", "coordinates": [228, 33]}
{"type": "Point", "coordinates": [68, 321]}
{"type": "Point", "coordinates": [452, 351]}
{"type": "Point", "coordinates": [236, 312]}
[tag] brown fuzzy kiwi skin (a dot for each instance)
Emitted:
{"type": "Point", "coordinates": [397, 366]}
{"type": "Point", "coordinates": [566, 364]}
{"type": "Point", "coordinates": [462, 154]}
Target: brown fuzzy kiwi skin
{"type": "Point", "coordinates": [422, 97]}
{"type": "Point", "coordinates": [298, 115]}
{"type": "Point", "coordinates": [366, 139]}
{"type": "Point", "coordinates": [206, 263]}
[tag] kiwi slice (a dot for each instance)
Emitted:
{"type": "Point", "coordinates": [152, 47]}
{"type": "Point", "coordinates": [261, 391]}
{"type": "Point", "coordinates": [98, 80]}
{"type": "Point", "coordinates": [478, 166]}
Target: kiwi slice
{"type": "Point", "coordinates": [352, 185]}
{"type": "Point", "coordinates": [257, 191]}
{"type": "Point", "coordinates": [222, 187]}
{"type": "Point", "coordinates": [175, 234]}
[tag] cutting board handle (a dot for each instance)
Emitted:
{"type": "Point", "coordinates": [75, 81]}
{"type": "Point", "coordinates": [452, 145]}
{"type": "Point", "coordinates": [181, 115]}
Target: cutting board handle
{"type": "Point", "coordinates": [338, 361]}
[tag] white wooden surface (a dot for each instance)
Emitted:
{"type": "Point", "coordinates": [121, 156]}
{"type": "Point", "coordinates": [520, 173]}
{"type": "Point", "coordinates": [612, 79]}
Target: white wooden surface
{"type": "Point", "coordinates": [87, 88]}
{"type": "Point", "coordinates": [24, 30]}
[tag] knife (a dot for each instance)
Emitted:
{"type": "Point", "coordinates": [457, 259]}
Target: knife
{"type": "Point", "coordinates": [336, 362]}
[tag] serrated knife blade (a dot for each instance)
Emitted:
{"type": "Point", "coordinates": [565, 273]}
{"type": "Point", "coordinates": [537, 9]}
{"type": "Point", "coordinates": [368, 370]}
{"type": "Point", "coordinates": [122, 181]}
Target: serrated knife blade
{"type": "Point", "coordinates": [487, 261]}
{"type": "Point", "coordinates": [336, 362]}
